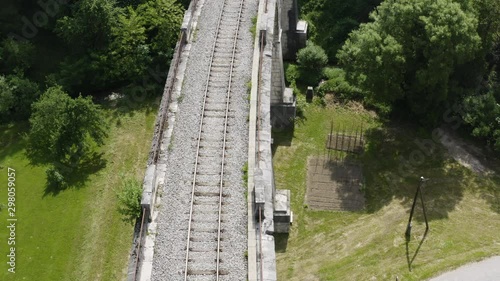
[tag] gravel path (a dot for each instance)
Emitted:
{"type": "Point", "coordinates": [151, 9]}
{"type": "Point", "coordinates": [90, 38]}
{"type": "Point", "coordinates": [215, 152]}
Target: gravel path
{"type": "Point", "coordinates": [169, 254]}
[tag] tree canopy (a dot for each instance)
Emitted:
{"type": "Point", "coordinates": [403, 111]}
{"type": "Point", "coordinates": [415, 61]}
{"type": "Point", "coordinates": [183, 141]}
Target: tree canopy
{"type": "Point", "coordinates": [87, 46]}
{"type": "Point", "coordinates": [331, 21]}
{"type": "Point", "coordinates": [409, 52]}
{"type": "Point", "coordinates": [64, 130]}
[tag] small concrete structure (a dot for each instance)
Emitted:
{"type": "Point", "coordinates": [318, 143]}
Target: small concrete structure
{"type": "Point", "coordinates": [149, 191]}
{"type": "Point", "coordinates": [288, 14]}
{"type": "Point", "coordinates": [309, 94]}
{"type": "Point", "coordinates": [282, 211]}
{"type": "Point", "coordinates": [301, 34]}
{"type": "Point", "coordinates": [294, 35]}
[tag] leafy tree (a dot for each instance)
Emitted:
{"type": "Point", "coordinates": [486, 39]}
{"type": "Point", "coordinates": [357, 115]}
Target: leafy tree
{"type": "Point", "coordinates": [331, 21]}
{"type": "Point", "coordinates": [64, 131]}
{"type": "Point", "coordinates": [25, 92]}
{"type": "Point", "coordinates": [16, 95]}
{"type": "Point", "coordinates": [162, 19]}
{"type": "Point", "coordinates": [89, 27]}
{"type": "Point", "coordinates": [482, 114]}
{"type": "Point", "coordinates": [16, 56]}
{"type": "Point", "coordinates": [489, 21]}
{"type": "Point", "coordinates": [115, 46]}
{"type": "Point", "coordinates": [409, 52]}
{"type": "Point", "coordinates": [129, 55]}
{"type": "Point", "coordinates": [6, 97]}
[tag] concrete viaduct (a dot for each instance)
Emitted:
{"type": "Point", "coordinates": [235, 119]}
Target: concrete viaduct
{"type": "Point", "coordinates": [279, 34]}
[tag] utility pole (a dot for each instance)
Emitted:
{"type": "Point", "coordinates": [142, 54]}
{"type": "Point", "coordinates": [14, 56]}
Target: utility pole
{"type": "Point", "coordinates": [419, 191]}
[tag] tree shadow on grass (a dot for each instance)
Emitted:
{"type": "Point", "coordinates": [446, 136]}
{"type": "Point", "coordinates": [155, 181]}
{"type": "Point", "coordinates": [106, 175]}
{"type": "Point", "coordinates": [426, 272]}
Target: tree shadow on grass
{"type": "Point", "coordinates": [394, 160]}
{"type": "Point", "coordinates": [491, 192]}
{"type": "Point", "coordinates": [129, 106]}
{"type": "Point", "coordinates": [11, 140]}
{"type": "Point", "coordinates": [76, 176]}
{"type": "Point", "coordinates": [282, 138]}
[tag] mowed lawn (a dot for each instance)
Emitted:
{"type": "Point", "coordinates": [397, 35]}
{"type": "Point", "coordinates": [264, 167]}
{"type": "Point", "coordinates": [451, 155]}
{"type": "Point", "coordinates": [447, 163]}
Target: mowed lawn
{"type": "Point", "coordinates": [463, 207]}
{"type": "Point", "coordinates": [77, 233]}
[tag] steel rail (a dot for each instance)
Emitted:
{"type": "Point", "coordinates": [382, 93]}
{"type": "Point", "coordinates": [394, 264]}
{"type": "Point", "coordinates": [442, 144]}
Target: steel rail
{"type": "Point", "coordinates": [228, 95]}
{"type": "Point", "coordinates": [224, 139]}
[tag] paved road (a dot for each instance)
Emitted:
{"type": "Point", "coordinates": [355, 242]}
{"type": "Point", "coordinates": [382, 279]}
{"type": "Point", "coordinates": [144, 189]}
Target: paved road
{"type": "Point", "coordinates": [486, 270]}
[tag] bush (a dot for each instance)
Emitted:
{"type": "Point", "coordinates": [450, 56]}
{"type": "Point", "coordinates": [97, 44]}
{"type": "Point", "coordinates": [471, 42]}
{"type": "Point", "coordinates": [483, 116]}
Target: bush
{"type": "Point", "coordinates": [337, 85]}
{"type": "Point", "coordinates": [292, 73]}
{"type": "Point", "coordinates": [311, 61]}
{"type": "Point", "coordinates": [129, 198]}
{"type": "Point", "coordinates": [25, 93]}
{"type": "Point", "coordinates": [17, 56]}
{"type": "Point", "coordinates": [6, 98]}
{"type": "Point", "coordinates": [312, 57]}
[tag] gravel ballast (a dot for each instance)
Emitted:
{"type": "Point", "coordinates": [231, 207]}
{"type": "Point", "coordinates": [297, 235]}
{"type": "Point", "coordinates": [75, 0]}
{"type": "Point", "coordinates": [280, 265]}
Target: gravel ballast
{"type": "Point", "coordinates": [172, 221]}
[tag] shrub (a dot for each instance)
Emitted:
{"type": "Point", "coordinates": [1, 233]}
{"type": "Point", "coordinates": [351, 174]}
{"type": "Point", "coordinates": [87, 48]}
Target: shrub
{"type": "Point", "coordinates": [129, 198]}
{"type": "Point", "coordinates": [337, 85]}
{"type": "Point", "coordinates": [292, 73]}
{"type": "Point", "coordinates": [311, 61]}
{"type": "Point", "coordinates": [312, 57]}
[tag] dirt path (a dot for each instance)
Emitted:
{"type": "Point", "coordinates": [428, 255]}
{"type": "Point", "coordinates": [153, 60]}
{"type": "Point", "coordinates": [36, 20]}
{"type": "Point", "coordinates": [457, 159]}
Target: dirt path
{"type": "Point", "coordinates": [466, 154]}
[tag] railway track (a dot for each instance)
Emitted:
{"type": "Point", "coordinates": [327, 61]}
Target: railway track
{"type": "Point", "coordinates": [206, 226]}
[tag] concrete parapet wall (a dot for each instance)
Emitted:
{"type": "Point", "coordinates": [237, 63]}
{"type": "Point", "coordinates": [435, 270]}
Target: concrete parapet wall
{"type": "Point", "coordinates": [268, 85]}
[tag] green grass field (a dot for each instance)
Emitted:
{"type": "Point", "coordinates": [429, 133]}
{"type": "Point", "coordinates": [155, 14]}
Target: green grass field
{"type": "Point", "coordinates": [77, 233]}
{"type": "Point", "coordinates": [463, 208]}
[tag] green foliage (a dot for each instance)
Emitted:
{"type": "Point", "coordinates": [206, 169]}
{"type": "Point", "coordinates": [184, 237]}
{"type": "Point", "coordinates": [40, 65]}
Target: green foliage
{"type": "Point", "coordinates": [15, 56]}
{"type": "Point", "coordinates": [64, 131]}
{"type": "Point", "coordinates": [253, 29]}
{"type": "Point", "coordinates": [55, 179]}
{"type": "Point", "coordinates": [337, 85]}
{"type": "Point", "coordinates": [244, 170]}
{"type": "Point", "coordinates": [25, 92]}
{"type": "Point", "coordinates": [489, 22]}
{"type": "Point", "coordinates": [292, 73]}
{"type": "Point", "coordinates": [162, 19]}
{"type": "Point", "coordinates": [482, 113]}
{"type": "Point", "coordinates": [6, 97]}
{"type": "Point", "coordinates": [129, 198]}
{"type": "Point", "coordinates": [311, 61]}
{"type": "Point", "coordinates": [123, 44]}
{"type": "Point", "coordinates": [409, 54]}
{"type": "Point", "coordinates": [89, 27]}
{"type": "Point", "coordinates": [312, 57]}
{"type": "Point", "coordinates": [129, 55]}
{"type": "Point", "coordinates": [16, 95]}
{"type": "Point", "coordinates": [330, 21]}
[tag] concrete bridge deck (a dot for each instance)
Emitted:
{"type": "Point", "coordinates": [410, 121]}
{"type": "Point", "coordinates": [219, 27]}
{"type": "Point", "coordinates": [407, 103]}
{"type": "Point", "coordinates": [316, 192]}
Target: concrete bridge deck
{"type": "Point", "coordinates": [247, 217]}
